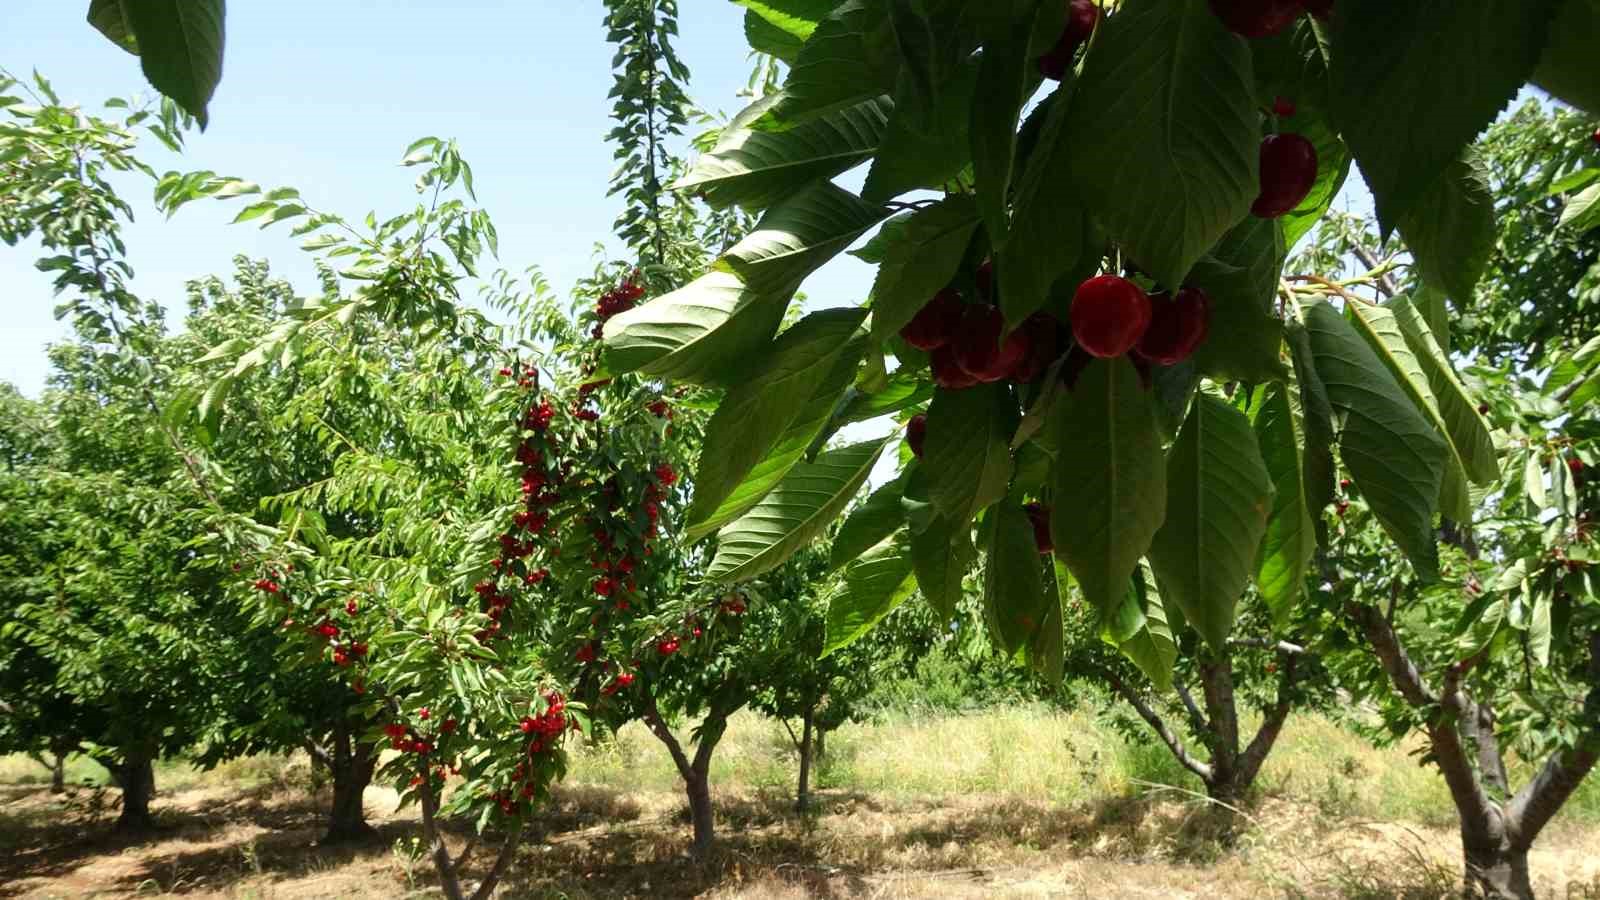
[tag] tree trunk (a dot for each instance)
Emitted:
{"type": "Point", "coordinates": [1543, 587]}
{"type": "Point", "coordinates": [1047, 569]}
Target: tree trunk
{"type": "Point", "coordinates": [803, 794]}
{"type": "Point", "coordinates": [698, 788]}
{"type": "Point", "coordinates": [352, 772]}
{"type": "Point", "coordinates": [1498, 872]}
{"type": "Point", "coordinates": [58, 772]}
{"type": "Point", "coordinates": [136, 776]}
{"type": "Point", "coordinates": [819, 747]}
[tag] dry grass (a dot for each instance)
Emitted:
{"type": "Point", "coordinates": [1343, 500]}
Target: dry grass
{"type": "Point", "coordinates": [1021, 803]}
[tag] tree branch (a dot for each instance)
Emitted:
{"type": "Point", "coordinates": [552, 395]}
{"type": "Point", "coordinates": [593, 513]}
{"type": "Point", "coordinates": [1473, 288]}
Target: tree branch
{"type": "Point", "coordinates": [652, 721]}
{"type": "Point", "coordinates": [319, 753]}
{"type": "Point", "coordinates": [1540, 799]}
{"type": "Point", "coordinates": [508, 851]}
{"type": "Point", "coordinates": [1272, 725]}
{"type": "Point", "coordinates": [448, 882]}
{"type": "Point", "coordinates": [1151, 718]}
{"type": "Point", "coordinates": [1197, 717]}
{"type": "Point", "coordinates": [1283, 647]}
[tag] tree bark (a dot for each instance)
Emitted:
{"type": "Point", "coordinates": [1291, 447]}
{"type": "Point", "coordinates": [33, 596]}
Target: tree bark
{"type": "Point", "coordinates": [58, 773]}
{"type": "Point", "coordinates": [803, 793]}
{"type": "Point", "coordinates": [698, 788]}
{"type": "Point", "coordinates": [352, 773]}
{"type": "Point", "coordinates": [1498, 873]}
{"type": "Point", "coordinates": [819, 748]}
{"type": "Point", "coordinates": [695, 772]}
{"type": "Point", "coordinates": [136, 776]}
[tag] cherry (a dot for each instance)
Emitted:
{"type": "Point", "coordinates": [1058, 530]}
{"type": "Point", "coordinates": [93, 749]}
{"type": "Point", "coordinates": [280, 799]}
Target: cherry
{"type": "Point", "coordinates": [1288, 170]}
{"type": "Point", "coordinates": [1256, 18]}
{"type": "Point", "coordinates": [978, 348]}
{"type": "Point", "coordinates": [1576, 467]}
{"type": "Point", "coordinates": [448, 726]}
{"type": "Point", "coordinates": [1283, 107]}
{"type": "Point", "coordinates": [917, 433]}
{"type": "Point", "coordinates": [1039, 517]}
{"type": "Point", "coordinates": [936, 323]}
{"type": "Point", "coordinates": [984, 277]}
{"type": "Point", "coordinates": [1082, 16]}
{"type": "Point", "coordinates": [1044, 345]}
{"type": "Point", "coordinates": [423, 713]}
{"type": "Point", "coordinates": [947, 373]}
{"type": "Point", "coordinates": [1178, 325]}
{"type": "Point", "coordinates": [1109, 315]}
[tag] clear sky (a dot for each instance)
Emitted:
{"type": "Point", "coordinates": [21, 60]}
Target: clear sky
{"type": "Point", "coordinates": [325, 96]}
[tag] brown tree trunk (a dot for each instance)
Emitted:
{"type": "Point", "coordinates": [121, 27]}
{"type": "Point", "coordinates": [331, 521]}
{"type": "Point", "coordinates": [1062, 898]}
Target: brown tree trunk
{"type": "Point", "coordinates": [698, 788]}
{"type": "Point", "coordinates": [1498, 872]}
{"type": "Point", "coordinates": [803, 794]}
{"type": "Point", "coordinates": [136, 776]}
{"type": "Point", "coordinates": [58, 773]}
{"type": "Point", "coordinates": [352, 772]}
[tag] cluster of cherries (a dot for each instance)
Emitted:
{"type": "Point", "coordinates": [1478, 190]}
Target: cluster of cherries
{"type": "Point", "coordinates": [343, 653]}
{"type": "Point", "coordinates": [620, 299]}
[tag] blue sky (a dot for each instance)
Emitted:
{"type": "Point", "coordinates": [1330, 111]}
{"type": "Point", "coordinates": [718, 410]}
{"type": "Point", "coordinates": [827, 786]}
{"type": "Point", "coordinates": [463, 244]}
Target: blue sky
{"type": "Point", "coordinates": [325, 97]}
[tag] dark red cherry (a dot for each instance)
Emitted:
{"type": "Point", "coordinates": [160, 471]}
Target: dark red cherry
{"type": "Point", "coordinates": [1082, 16]}
{"type": "Point", "coordinates": [1256, 18]}
{"type": "Point", "coordinates": [1178, 325]}
{"type": "Point", "coordinates": [1044, 345]}
{"type": "Point", "coordinates": [979, 349]}
{"type": "Point", "coordinates": [1039, 518]}
{"type": "Point", "coordinates": [936, 323]}
{"type": "Point", "coordinates": [1288, 172]}
{"type": "Point", "coordinates": [917, 433]}
{"type": "Point", "coordinates": [1109, 315]}
{"type": "Point", "coordinates": [947, 373]}
{"type": "Point", "coordinates": [985, 279]}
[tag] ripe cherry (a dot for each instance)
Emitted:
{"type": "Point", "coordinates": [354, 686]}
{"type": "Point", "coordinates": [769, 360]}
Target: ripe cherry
{"type": "Point", "coordinates": [984, 277]}
{"type": "Point", "coordinates": [937, 323]}
{"type": "Point", "coordinates": [1283, 107]}
{"type": "Point", "coordinates": [947, 373]}
{"type": "Point", "coordinates": [1178, 325]}
{"type": "Point", "coordinates": [1288, 171]}
{"type": "Point", "coordinates": [1082, 16]}
{"type": "Point", "coordinates": [1595, 137]}
{"type": "Point", "coordinates": [978, 347]}
{"type": "Point", "coordinates": [917, 433]}
{"type": "Point", "coordinates": [1256, 18]}
{"type": "Point", "coordinates": [1044, 345]}
{"type": "Point", "coordinates": [1576, 467]}
{"type": "Point", "coordinates": [1109, 315]}
{"type": "Point", "coordinates": [1039, 518]}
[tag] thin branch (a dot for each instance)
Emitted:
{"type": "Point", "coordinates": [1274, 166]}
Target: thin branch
{"type": "Point", "coordinates": [1173, 742]}
{"type": "Point", "coordinates": [508, 851]}
{"type": "Point", "coordinates": [1283, 647]}
{"type": "Point", "coordinates": [1193, 708]}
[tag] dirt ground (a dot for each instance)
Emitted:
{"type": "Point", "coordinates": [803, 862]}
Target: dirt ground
{"type": "Point", "coordinates": [227, 841]}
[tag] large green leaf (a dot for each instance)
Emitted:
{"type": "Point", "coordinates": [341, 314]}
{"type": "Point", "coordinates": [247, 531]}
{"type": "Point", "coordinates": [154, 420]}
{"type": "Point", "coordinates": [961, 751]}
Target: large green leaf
{"type": "Point", "coordinates": [1164, 133]}
{"type": "Point", "coordinates": [1014, 598]}
{"type": "Point", "coordinates": [1051, 236]}
{"type": "Point", "coordinates": [796, 511]}
{"type": "Point", "coordinates": [873, 586]}
{"type": "Point", "coordinates": [799, 235]}
{"type": "Point", "coordinates": [920, 260]}
{"type": "Point", "coordinates": [1111, 480]}
{"type": "Point", "coordinates": [1218, 497]}
{"type": "Point", "coordinates": [1246, 340]}
{"type": "Point", "coordinates": [781, 27]}
{"type": "Point", "coordinates": [1450, 231]}
{"type": "Point", "coordinates": [875, 519]}
{"type": "Point", "coordinates": [941, 553]}
{"type": "Point", "coordinates": [903, 391]}
{"type": "Point", "coordinates": [1468, 432]}
{"type": "Point", "coordinates": [924, 148]}
{"type": "Point", "coordinates": [1395, 454]}
{"type": "Point", "coordinates": [755, 169]}
{"type": "Point", "coordinates": [1415, 82]}
{"type": "Point", "coordinates": [849, 58]}
{"type": "Point", "coordinates": [1290, 539]}
{"type": "Point", "coordinates": [179, 43]}
{"type": "Point", "coordinates": [1316, 413]}
{"type": "Point", "coordinates": [1566, 69]}
{"type": "Point", "coordinates": [1582, 212]}
{"type": "Point", "coordinates": [1382, 333]}
{"type": "Point", "coordinates": [967, 454]}
{"type": "Point", "coordinates": [1046, 650]}
{"type": "Point", "coordinates": [706, 332]}
{"type": "Point", "coordinates": [1012, 32]}
{"type": "Point", "coordinates": [764, 423]}
{"type": "Point", "coordinates": [1141, 631]}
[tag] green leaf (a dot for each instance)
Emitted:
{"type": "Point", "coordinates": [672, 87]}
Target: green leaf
{"type": "Point", "coordinates": [967, 457]}
{"type": "Point", "coordinates": [874, 250]}
{"type": "Point", "coordinates": [755, 169]}
{"type": "Point", "coordinates": [1290, 538]}
{"type": "Point", "coordinates": [1245, 342]}
{"type": "Point", "coordinates": [1317, 415]}
{"type": "Point", "coordinates": [179, 43]}
{"type": "Point", "coordinates": [1111, 480]}
{"type": "Point", "coordinates": [1164, 133]}
{"type": "Point", "coordinates": [920, 260]}
{"type": "Point", "coordinates": [904, 390]}
{"type": "Point", "coordinates": [1014, 598]}
{"type": "Point", "coordinates": [874, 585]}
{"type": "Point", "coordinates": [1469, 434]}
{"type": "Point", "coordinates": [849, 58]}
{"type": "Point", "coordinates": [925, 148]}
{"type": "Point", "coordinates": [798, 235]}
{"type": "Point", "coordinates": [766, 421]}
{"type": "Point", "coordinates": [1393, 452]}
{"type": "Point", "coordinates": [1008, 73]}
{"type": "Point", "coordinates": [1450, 229]}
{"type": "Point", "coordinates": [706, 332]}
{"type": "Point", "coordinates": [1566, 69]}
{"type": "Point", "coordinates": [795, 512]}
{"type": "Point", "coordinates": [1051, 236]}
{"type": "Point", "coordinates": [1582, 213]}
{"type": "Point", "coordinates": [880, 516]}
{"type": "Point", "coordinates": [1377, 325]}
{"type": "Point", "coordinates": [781, 27]}
{"type": "Point", "coordinates": [941, 553]}
{"type": "Point", "coordinates": [1046, 651]}
{"type": "Point", "coordinates": [1218, 498]}
{"type": "Point", "coordinates": [1539, 627]}
{"type": "Point", "coordinates": [1150, 645]}
{"type": "Point", "coordinates": [1414, 83]}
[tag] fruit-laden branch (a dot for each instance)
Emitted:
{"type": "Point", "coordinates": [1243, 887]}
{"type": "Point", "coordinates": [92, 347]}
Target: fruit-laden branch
{"type": "Point", "coordinates": [1154, 720]}
{"type": "Point", "coordinates": [1272, 726]}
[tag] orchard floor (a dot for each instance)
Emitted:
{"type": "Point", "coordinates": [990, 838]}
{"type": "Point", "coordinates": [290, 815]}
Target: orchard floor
{"type": "Point", "coordinates": [1024, 803]}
